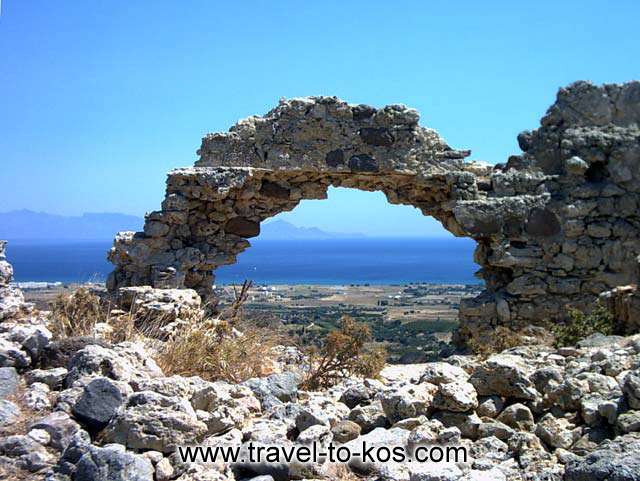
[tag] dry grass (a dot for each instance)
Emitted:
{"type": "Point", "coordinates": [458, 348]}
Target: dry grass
{"type": "Point", "coordinates": [82, 312]}
{"type": "Point", "coordinates": [214, 350]}
{"type": "Point", "coordinates": [228, 348]}
{"type": "Point", "coordinates": [344, 354]}
{"type": "Point", "coordinates": [76, 314]}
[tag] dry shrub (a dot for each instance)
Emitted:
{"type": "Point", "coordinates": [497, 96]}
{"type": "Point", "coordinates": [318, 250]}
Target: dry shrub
{"type": "Point", "coordinates": [344, 354]}
{"type": "Point", "coordinates": [501, 339]}
{"type": "Point", "coordinates": [76, 314]}
{"type": "Point", "coordinates": [214, 350]}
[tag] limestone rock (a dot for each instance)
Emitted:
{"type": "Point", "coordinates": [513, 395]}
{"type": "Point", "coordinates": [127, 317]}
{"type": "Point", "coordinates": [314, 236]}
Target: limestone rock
{"type": "Point", "coordinates": [60, 427]}
{"type": "Point", "coordinates": [113, 463]}
{"type": "Point", "coordinates": [29, 454]}
{"type": "Point", "coordinates": [443, 372]}
{"type": "Point", "coordinates": [152, 421]}
{"type": "Point", "coordinates": [629, 422]}
{"type": "Point", "coordinates": [159, 307]}
{"type": "Point", "coordinates": [9, 413]}
{"type": "Point", "coordinates": [36, 396]}
{"type": "Point", "coordinates": [345, 431]}
{"type": "Point", "coordinates": [280, 386]}
{"type": "Point", "coordinates": [369, 417]}
{"type": "Point", "coordinates": [616, 459]}
{"type": "Point", "coordinates": [408, 401]}
{"type": "Point", "coordinates": [490, 406]}
{"type": "Point", "coordinates": [505, 375]}
{"type": "Point", "coordinates": [518, 416]}
{"type": "Point", "coordinates": [457, 396]}
{"type": "Point", "coordinates": [53, 378]}
{"type": "Point", "coordinates": [123, 362]}
{"type": "Point", "coordinates": [8, 381]}
{"type": "Point", "coordinates": [555, 432]}
{"type": "Point", "coordinates": [222, 406]}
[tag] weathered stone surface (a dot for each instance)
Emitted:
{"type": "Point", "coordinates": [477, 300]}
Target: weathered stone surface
{"type": "Point", "coordinates": [11, 299]}
{"type": "Point", "coordinates": [456, 396]}
{"type": "Point", "coordinates": [113, 463]}
{"type": "Point", "coordinates": [518, 416]}
{"type": "Point", "coordinates": [8, 381]}
{"type": "Point", "coordinates": [9, 413]}
{"type": "Point", "coordinates": [576, 179]}
{"type": "Point", "coordinates": [506, 375]}
{"type": "Point", "coordinates": [443, 372]}
{"type": "Point", "coordinates": [98, 403]}
{"type": "Point", "coordinates": [615, 460]}
{"type": "Point", "coordinates": [345, 431]}
{"type": "Point", "coordinates": [281, 387]}
{"type": "Point", "coordinates": [29, 454]}
{"type": "Point", "coordinates": [124, 362]}
{"type": "Point", "coordinates": [556, 432]}
{"type": "Point", "coordinates": [53, 378]}
{"type": "Point", "coordinates": [152, 421]}
{"type": "Point", "coordinates": [369, 417]}
{"type": "Point", "coordinates": [36, 397]}
{"type": "Point", "coordinates": [159, 307]}
{"type": "Point", "coordinates": [60, 426]}
{"type": "Point", "coordinates": [408, 401]}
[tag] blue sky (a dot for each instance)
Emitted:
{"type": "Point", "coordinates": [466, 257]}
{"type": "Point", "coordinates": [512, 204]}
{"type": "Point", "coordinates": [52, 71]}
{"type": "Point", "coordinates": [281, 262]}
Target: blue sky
{"type": "Point", "coordinates": [100, 99]}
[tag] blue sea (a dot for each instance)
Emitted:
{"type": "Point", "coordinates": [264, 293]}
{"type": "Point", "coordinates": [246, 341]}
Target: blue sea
{"type": "Point", "coordinates": [334, 261]}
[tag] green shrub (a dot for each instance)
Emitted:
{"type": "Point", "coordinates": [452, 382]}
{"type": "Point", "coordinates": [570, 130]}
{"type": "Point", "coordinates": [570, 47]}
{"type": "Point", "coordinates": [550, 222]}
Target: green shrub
{"type": "Point", "coordinates": [581, 325]}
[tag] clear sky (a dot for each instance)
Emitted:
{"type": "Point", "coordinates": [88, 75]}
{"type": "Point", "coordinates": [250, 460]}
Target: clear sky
{"type": "Point", "coordinates": [101, 98]}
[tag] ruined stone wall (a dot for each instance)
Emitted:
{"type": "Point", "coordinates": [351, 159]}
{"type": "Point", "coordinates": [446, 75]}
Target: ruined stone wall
{"type": "Point", "coordinates": [555, 226]}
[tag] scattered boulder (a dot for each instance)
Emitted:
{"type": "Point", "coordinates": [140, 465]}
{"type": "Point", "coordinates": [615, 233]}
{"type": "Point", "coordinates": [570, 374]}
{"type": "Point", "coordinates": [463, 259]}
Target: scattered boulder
{"type": "Point", "coordinates": [280, 387]}
{"type": "Point", "coordinates": [355, 395]}
{"type": "Point", "coordinates": [9, 413]}
{"type": "Point", "coordinates": [54, 378]}
{"type": "Point", "coordinates": [28, 454]}
{"type": "Point", "coordinates": [517, 416]}
{"type": "Point", "coordinates": [151, 421]}
{"type": "Point", "coordinates": [613, 460]}
{"type": "Point", "coordinates": [345, 431]}
{"type": "Point", "coordinates": [556, 432]}
{"type": "Point", "coordinates": [490, 406]}
{"type": "Point", "coordinates": [8, 381]}
{"type": "Point", "coordinates": [98, 403]}
{"type": "Point", "coordinates": [369, 417]}
{"type": "Point", "coordinates": [60, 427]}
{"type": "Point", "coordinates": [113, 463]}
{"type": "Point", "coordinates": [504, 375]}
{"type": "Point", "coordinates": [629, 422]}
{"type": "Point", "coordinates": [126, 361]}
{"type": "Point", "coordinates": [457, 396]}
{"type": "Point", "coordinates": [408, 401]}
{"type": "Point", "coordinates": [443, 372]}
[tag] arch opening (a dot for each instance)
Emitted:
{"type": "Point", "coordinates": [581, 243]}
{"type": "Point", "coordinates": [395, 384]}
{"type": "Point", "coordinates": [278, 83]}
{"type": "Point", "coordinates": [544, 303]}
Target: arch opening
{"type": "Point", "coordinates": [406, 285]}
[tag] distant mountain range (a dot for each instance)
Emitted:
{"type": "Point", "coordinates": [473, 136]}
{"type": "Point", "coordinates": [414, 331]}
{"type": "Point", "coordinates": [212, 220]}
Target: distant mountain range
{"type": "Point", "coordinates": [27, 225]}
{"type": "Point", "coordinates": [283, 230]}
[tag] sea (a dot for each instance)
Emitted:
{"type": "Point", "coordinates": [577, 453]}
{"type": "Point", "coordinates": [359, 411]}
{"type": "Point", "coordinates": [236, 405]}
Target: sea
{"type": "Point", "coordinates": [322, 261]}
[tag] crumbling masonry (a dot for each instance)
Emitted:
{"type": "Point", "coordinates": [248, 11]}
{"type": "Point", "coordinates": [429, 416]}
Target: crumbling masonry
{"type": "Point", "coordinates": [555, 226]}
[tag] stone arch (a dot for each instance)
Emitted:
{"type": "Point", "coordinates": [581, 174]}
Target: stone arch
{"type": "Point", "coordinates": [543, 222]}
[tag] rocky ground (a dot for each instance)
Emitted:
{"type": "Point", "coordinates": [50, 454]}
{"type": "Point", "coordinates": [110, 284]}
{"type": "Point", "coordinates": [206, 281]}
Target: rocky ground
{"type": "Point", "coordinates": [82, 409]}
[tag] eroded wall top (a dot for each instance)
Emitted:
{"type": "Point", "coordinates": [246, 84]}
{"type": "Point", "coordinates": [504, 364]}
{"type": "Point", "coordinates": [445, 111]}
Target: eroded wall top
{"type": "Point", "coordinates": [327, 134]}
